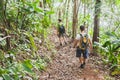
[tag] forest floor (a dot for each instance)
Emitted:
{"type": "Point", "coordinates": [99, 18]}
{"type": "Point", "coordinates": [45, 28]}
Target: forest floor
{"type": "Point", "coordinates": [65, 65]}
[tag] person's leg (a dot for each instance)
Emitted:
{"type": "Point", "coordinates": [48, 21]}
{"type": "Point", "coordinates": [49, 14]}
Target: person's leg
{"type": "Point", "coordinates": [80, 57]}
{"type": "Point", "coordinates": [85, 55]}
{"type": "Point", "coordinates": [64, 38]}
{"type": "Point", "coordinates": [80, 60]}
{"type": "Point", "coordinates": [60, 40]}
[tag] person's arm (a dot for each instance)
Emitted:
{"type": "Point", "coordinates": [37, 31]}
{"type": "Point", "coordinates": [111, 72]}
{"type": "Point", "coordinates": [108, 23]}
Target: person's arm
{"type": "Point", "coordinates": [76, 41]}
{"type": "Point", "coordinates": [91, 47]}
{"type": "Point", "coordinates": [75, 44]}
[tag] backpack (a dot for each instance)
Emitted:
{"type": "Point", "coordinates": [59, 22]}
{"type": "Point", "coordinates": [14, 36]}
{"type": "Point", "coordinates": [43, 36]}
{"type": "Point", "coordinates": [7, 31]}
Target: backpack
{"type": "Point", "coordinates": [61, 29]}
{"type": "Point", "coordinates": [83, 42]}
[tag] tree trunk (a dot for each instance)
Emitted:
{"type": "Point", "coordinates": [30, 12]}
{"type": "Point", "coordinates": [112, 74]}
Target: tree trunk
{"type": "Point", "coordinates": [96, 21]}
{"type": "Point", "coordinates": [64, 9]}
{"type": "Point", "coordinates": [67, 16]}
{"type": "Point", "coordinates": [5, 21]}
{"type": "Point", "coordinates": [59, 14]}
{"type": "Point", "coordinates": [84, 13]}
{"type": "Point", "coordinates": [1, 6]}
{"type": "Point", "coordinates": [75, 19]}
{"type": "Point", "coordinates": [43, 35]}
{"type": "Point", "coordinates": [96, 24]}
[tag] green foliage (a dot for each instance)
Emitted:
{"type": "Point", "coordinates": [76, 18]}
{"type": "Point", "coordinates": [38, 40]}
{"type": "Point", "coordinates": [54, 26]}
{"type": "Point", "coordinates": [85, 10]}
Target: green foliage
{"type": "Point", "coordinates": [117, 2]}
{"type": "Point", "coordinates": [110, 47]}
{"type": "Point", "coordinates": [85, 19]}
{"type": "Point", "coordinates": [6, 77]}
{"type": "Point", "coordinates": [45, 22]}
{"type": "Point", "coordinates": [27, 66]}
{"type": "Point", "coordinates": [32, 43]}
{"type": "Point", "coordinates": [28, 27]}
{"type": "Point", "coordinates": [1, 55]}
{"type": "Point", "coordinates": [17, 71]}
{"type": "Point", "coordinates": [116, 72]}
{"type": "Point", "coordinates": [25, 22]}
{"type": "Point", "coordinates": [39, 64]}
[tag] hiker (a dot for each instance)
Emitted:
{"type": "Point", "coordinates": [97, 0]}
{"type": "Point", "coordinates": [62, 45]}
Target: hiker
{"type": "Point", "coordinates": [84, 46]}
{"type": "Point", "coordinates": [61, 32]}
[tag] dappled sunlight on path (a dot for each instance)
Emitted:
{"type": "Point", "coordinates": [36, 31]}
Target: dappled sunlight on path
{"type": "Point", "coordinates": [65, 66]}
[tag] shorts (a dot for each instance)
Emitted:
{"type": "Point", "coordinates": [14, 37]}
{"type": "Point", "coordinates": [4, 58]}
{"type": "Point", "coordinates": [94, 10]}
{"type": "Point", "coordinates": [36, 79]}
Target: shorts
{"type": "Point", "coordinates": [61, 35]}
{"type": "Point", "coordinates": [80, 53]}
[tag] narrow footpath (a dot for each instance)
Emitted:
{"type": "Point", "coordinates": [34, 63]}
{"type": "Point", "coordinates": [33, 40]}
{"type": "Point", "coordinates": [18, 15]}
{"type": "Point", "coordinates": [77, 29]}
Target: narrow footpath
{"type": "Point", "coordinates": [65, 66]}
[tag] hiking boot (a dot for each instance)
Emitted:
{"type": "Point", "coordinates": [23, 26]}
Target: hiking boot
{"type": "Point", "coordinates": [60, 44]}
{"type": "Point", "coordinates": [82, 65]}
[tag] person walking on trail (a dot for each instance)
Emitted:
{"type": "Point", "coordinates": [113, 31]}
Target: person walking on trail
{"type": "Point", "coordinates": [84, 46]}
{"type": "Point", "coordinates": [61, 32]}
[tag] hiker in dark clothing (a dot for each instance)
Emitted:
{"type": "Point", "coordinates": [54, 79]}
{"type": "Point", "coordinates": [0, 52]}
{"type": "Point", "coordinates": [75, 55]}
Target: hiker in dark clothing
{"type": "Point", "coordinates": [61, 32]}
{"type": "Point", "coordinates": [84, 46]}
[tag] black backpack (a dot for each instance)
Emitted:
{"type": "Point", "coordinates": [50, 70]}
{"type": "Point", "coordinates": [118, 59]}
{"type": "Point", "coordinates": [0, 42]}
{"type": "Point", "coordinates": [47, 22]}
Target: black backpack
{"type": "Point", "coordinates": [61, 29]}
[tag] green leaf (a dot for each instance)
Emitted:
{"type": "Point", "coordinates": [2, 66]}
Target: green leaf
{"type": "Point", "coordinates": [107, 43]}
{"type": "Point", "coordinates": [50, 12]}
{"type": "Point", "coordinates": [6, 77]}
{"type": "Point", "coordinates": [111, 34]}
{"type": "Point", "coordinates": [3, 71]}
{"type": "Point", "coordinates": [27, 66]}
{"type": "Point", "coordinates": [48, 1]}
{"type": "Point", "coordinates": [116, 41]}
{"type": "Point", "coordinates": [38, 9]}
{"type": "Point", "coordinates": [31, 38]}
{"type": "Point", "coordinates": [28, 63]}
{"type": "Point", "coordinates": [118, 56]}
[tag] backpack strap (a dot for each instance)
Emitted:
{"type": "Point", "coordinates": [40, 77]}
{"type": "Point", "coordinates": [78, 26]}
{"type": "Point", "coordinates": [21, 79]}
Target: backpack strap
{"type": "Point", "coordinates": [81, 35]}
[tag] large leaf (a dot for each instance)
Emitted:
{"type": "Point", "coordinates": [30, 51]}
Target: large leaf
{"type": "Point", "coordinates": [27, 66]}
{"type": "Point", "coordinates": [111, 34]}
{"type": "Point", "coordinates": [116, 41]}
{"type": "Point", "coordinates": [3, 71]}
{"type": "Point", "coordinates": [6, 77]}
{"type": "Point", "coordinates": [107, 43]}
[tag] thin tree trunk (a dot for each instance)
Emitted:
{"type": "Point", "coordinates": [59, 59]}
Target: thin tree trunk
{"type": "Point", "coordinates": [96, 25]}
{"type": "Point", "coordinates": [63, 9]}
{"type": "Point", "coordinates": [84, 12]}
{"type": "Point", "coordinates": [96, 21]}
{"type": "Point", "coordinates": [6, 22]}
{"type": "Point", "coordinates": [74, 19]}
{"type": "Point", "coordinates": [59, 14]}
{"type": "Point", "coordinates": [67, 15]}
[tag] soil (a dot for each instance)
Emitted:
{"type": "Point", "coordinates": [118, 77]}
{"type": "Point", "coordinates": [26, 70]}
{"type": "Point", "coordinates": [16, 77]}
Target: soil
{"type": "Point", "coordinates": [65, 65]}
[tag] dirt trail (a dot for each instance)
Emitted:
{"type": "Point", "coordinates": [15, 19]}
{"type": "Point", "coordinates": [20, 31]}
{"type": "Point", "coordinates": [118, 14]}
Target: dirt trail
{"type": "Point", "coordinates": [65, 66]}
